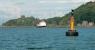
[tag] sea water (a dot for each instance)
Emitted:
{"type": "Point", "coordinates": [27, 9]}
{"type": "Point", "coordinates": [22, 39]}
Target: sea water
{"type": "Point", "coordinates": [22, 38]}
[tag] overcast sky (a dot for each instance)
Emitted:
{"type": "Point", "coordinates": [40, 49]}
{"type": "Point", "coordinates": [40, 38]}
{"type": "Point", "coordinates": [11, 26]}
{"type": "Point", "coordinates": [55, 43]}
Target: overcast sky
{"type": "Point", "coordinates": [10, 9]}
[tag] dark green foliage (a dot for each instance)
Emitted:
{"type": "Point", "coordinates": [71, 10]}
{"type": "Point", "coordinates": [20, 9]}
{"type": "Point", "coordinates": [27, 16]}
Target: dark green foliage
{"type": "Point", "coordinates": [84, 12]}
{"type": "Point", "coordinates": [23, 21]}
{"type": "Point", "coordinates": [54, 20]}
{"type": "Point", "coordinates": [10, 22]}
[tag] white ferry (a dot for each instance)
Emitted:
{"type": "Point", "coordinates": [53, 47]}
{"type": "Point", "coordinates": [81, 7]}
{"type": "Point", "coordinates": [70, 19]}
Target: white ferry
{"type": "Point", "coordinates": [42, 24]}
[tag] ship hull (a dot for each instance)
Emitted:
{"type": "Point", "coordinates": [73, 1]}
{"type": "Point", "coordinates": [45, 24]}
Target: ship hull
{"type": "Point", "coordinates": [41, 26]}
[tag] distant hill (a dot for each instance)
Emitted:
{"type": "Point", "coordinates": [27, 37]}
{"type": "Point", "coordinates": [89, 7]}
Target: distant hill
{"type": "Point", "coordinates": [23, 21]}
{"type": "Point", "coordinates": [85, 12]}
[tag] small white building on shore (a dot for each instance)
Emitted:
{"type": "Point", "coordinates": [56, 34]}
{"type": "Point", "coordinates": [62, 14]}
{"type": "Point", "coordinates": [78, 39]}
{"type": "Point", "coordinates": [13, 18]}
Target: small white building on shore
{"type": "Point", "coordinates": [91, 24]}
{"type": "Point", "coordinates": [86, 24]}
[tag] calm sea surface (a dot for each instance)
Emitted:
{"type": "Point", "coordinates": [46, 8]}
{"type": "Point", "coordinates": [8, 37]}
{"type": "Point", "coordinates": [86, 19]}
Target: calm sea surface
{"type": "Point", "coordinates": [46, 39]}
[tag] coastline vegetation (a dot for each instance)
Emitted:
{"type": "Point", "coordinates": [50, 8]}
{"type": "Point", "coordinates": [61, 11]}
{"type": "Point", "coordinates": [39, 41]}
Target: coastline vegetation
{"type": "Point", "coordinates": [85, 12]}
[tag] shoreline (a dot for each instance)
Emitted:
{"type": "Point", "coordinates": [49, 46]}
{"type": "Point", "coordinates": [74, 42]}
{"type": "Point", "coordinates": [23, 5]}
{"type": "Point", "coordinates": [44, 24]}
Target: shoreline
{"type": "Point", "coordinates": [46, 27]}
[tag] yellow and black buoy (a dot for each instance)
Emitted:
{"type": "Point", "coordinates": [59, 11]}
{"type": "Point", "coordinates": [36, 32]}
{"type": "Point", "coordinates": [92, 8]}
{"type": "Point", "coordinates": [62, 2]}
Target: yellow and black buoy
{"type": "Point", "coordinates": [72, 31]}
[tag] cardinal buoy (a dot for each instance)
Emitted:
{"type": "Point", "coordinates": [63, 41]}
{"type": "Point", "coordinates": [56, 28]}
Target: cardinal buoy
{"type": "Point", "coordinates": [72, 31]}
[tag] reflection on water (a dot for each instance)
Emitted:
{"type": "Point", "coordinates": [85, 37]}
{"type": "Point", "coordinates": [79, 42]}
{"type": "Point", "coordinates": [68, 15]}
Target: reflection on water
{"type": "Point", "coordinates": [46, 39]}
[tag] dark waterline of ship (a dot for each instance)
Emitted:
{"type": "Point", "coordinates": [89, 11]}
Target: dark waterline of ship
{"type": "Point", "coordinates": [45, 39]}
